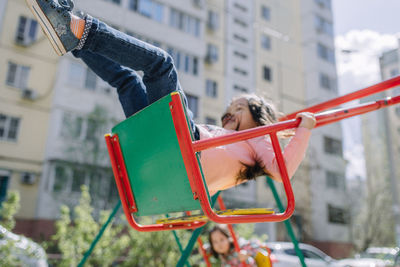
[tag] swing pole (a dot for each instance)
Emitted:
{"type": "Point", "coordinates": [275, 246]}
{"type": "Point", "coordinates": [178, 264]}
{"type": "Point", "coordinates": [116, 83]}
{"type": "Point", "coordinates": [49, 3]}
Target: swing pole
{"type": "Point", "coordinates": [287, 222]}
{"type": "Point", "coordinates": [99, 235]}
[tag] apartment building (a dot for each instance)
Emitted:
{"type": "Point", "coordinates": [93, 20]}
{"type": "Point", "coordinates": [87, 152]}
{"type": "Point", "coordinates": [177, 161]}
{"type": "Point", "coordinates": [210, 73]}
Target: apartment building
{"type": "Point", "coordinates": [330, 207]}
{"type": "Point", "coordinates": [284, 51]}
{"type": "Point", "coordinates": [27, 78]}
{"type": "Point", "coordinates": [380, 132]}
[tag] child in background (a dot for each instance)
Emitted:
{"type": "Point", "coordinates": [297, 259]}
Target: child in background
{"type": "Point", "coordinates": [222, 248]}
{"type": "Point", "coordinates": [116, 56]}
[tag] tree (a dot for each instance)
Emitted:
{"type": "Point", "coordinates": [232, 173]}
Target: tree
{"type": "Point", "coordinates": [8, 209]}
{"type": "Point", "coordinates": [74, 236]}
{"type": "Point", "coordinates": [75, 232]}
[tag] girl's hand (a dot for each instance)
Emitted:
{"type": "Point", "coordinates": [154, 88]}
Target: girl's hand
{"type": "Point", "coordinates": [307, 120]}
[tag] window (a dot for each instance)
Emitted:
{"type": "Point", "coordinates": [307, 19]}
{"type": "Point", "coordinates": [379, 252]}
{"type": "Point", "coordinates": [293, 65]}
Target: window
{"type": "Point", "coordinates": [240, 22]}
{"type": "Point", "coordinates": [240, 7]}
{"type": "Point", "coordinates": [397, 111]}
{"type": "Point", "coordinates": [334, 180]}
{"type": "Point", "coordinates": [71, 126]}
{"type": "Point", "coordinates": [114, 1]}
{"type": "Point", "coordinates": [193, 103]}
{"type": "Point", "coordinates": [265, 42]}
{"type": "Point", "coordinates": [212, 20]}
{"type": "Point", "coordinates": [337, 215]}
{"type": "Point", "coordinates": [266, 13]}
{"type": "Point", "coordinates": [26, 31]}
{"type": "Point", "coordinates": [240, 55]}
{"type": "Point", "coordinates": [267, 75]}
{"type": "Point", "coordinates": [78, 179]}
{"type": "Point", "coordinates": [76, 74]}
{"type": "Point", "coordinates": [311, 255]}
{"type": "Point", "coordinates": [195, 69]}
{"type": "Point", "coordinates": [323, 26]}
{"type": "Point", "coordinates": [9, 127]}
{"type": "Point", "coordinates": [148, 8]}
{"type": "Point", "coordinates": [184, 22]}
{"type": "Point", "coordinates": [394, 72]}
{"type": "Point", "coordinates": [212, 53]}
{"type": "Point", "coordinates": [240, 38]}
{"type": "Point", "coordinates": [240, 71]}
{"type": "Point", "coordinates": [327, 82]}
{"type": "Point", "coordinates": [69, 178]}
{"type": "Point", "coordinates": [4, 179]}
{"type": "Point", "coordinates": [184, 62]}
{"type": "Point", "coordinates": [211, 88]}
{"type": "Point", "coordinates": [324, 4]}
{"type": "Point", "coordinates": [60, 178]}
{"type": "Point", "coordinates": [92, 129]}
{"type": "Point", "coordinates": [17, 75]}
{"type": "Point", "coordinates": [211, 121]}
{"type": "Point", "coordinates": [325, 53]}
{"type": "Point", "coordinates": [332, 146]}
{"type": "Point", "coordinates": [91, 79]}
{"type": "Point", "coordinates": [240, 88]}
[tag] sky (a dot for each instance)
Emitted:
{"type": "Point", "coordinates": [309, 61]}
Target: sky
{"type": "Point", "coordinates": [368, 28]}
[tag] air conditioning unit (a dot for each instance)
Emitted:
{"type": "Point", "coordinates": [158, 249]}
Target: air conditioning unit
{"type": "Point", "coordinates": [199, 3]}
{"type": "Point", "coordinates": [28, 178]}
{"type": "Point", "coordinates": [28, 94]}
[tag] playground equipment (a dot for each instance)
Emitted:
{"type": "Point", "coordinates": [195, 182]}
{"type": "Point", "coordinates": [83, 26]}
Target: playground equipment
{"type": "Point", "coordinates": [171, 144]}
{"type": "Point", "coordinates": [159, 172]}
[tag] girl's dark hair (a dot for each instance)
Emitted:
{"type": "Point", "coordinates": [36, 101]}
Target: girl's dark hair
{"type": "Point", "coordinates": [263, 113]}
{"type": "Point", "coordinates": [223, 230]}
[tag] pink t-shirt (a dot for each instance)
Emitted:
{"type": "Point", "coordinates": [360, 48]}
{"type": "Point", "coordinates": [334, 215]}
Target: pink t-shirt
{"type": "Point", "coordinates": [222, 164]}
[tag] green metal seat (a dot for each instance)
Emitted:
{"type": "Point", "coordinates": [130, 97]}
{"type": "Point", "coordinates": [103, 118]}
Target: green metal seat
{"type": "Point", "coordinates": [156, 170]}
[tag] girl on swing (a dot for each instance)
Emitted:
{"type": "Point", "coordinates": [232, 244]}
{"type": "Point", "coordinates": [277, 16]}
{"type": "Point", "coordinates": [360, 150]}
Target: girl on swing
{"type": "Point", "coordinates": [115, 56]}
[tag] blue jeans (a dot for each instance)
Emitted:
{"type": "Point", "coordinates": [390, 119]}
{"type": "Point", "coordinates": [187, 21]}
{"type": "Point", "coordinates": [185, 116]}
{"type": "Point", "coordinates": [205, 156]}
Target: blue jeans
{"type": "Point", "coordinates": [115, 56]}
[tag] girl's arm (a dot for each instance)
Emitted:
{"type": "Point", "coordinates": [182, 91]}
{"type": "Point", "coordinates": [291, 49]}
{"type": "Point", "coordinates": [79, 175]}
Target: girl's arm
{"type": "Point", "coordinates": [293, 153]}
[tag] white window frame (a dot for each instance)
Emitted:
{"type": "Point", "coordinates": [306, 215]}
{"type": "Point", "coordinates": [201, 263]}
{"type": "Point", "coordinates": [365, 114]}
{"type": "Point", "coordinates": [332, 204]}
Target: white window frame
{"type": "Point", "coordinates": [20, 75]}
{"type": "Point", "coordinates": [24, 36]}
{"type": "Point", "coordinates": [6, 125]}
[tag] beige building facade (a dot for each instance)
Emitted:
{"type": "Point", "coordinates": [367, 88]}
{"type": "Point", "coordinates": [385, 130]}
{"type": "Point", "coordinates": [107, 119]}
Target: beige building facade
{"type": "Point", "coordinates": [27, 78]}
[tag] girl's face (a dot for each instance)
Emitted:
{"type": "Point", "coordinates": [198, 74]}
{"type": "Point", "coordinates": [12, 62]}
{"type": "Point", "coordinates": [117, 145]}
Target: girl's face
{"type": "Point", "coordinates": [238, 116]}
{"type": "Point", "coordinates": [220, 242]}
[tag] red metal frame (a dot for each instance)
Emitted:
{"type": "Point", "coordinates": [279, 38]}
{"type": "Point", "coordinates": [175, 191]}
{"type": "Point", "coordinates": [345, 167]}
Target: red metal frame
{"type": "Point", "coordinates": [127, 199]}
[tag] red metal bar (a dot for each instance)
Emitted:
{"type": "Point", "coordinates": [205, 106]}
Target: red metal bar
{"type": "Point", "coordinates": [379, 87]}
{"type": "Point", "coordinates": [203, 252]}
{"type": "Point", "coordinates": [194, 174]}
{"type": "Point", "coordinates": [244, 134]}
{"type": "Point", "coordinates": [340, 114]}
{"type": "Point", "coordinates": [123, 173]}
{"type": "Point", "coordinates": [127, 200]}
{"type": "Point", "coordinates": [118, 170]}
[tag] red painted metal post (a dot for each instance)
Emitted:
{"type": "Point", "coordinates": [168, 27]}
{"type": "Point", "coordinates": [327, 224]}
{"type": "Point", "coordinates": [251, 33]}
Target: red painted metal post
{"type": "Point", "coordinates": [203, 252]}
